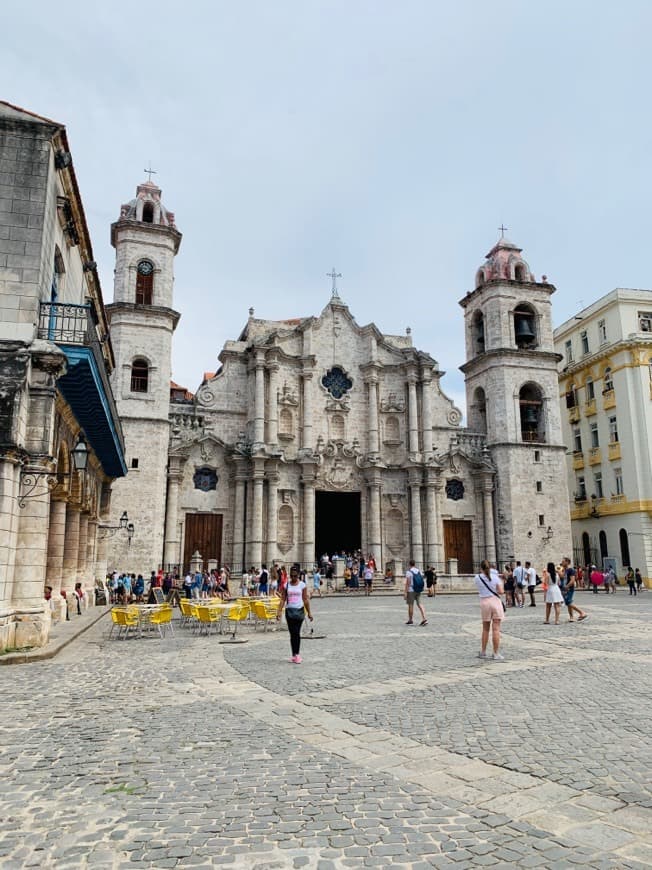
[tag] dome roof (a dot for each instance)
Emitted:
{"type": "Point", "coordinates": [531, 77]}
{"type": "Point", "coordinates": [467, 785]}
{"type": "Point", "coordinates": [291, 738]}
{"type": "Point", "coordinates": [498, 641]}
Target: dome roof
{"type": "Point", "coordinates": [504, 261]}
{"type": "Point", "coordinates": [135, 209]}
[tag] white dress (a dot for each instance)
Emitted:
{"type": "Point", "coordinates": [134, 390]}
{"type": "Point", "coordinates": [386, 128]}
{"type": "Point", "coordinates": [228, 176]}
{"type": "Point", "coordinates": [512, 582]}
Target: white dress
{"type": "Point", "coordinates": [553, 594]}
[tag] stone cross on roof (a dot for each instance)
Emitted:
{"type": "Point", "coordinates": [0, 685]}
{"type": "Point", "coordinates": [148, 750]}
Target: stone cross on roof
{"type": "Point", "coordinates": [334, 275]}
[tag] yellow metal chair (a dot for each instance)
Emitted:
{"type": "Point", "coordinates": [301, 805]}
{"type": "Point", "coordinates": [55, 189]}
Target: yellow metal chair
{"type": "Point", "coordinates": [264, 615]}
{"type": "Point", "coordinates": [126, 620]}
{"type": "Point", "coordinates": [237, 614]}
{"type": "Point", "coordinates": [208, 617]}
{"type": "Point", "coordinates": [186, 611]}
{"type": "Point", "coordinates": [162, 619]}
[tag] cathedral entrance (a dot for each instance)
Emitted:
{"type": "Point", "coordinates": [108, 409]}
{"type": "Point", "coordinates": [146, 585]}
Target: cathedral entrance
{"type": "Point", "coordinates": [457, 544]}
{"type": "Point", "coordinates": [337, 522]}
{"type": "Point", "coordinates": [204, 536]}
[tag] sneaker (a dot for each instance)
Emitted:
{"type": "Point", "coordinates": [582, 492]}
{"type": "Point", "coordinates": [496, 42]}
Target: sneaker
{"type": "Point", "coordinates": [409, 622]}
{"type": "Point", "coordinates": [297, 660]}
{"type": "Point", "coordinates": [496, 657]}
{"type": "Point", "coordinates": [293, 660]}
{"type": "Point", "coordinates": [424, 622]}
{"type": "Point", "coordinates": [482, 655]}
{"type": "Point", "coordinates": [582, 617]}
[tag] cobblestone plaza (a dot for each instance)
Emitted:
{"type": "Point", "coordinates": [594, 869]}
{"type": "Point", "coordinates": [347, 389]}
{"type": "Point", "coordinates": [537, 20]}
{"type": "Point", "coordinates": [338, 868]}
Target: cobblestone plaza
{"type": "Point", "coordinates": [391, 745]}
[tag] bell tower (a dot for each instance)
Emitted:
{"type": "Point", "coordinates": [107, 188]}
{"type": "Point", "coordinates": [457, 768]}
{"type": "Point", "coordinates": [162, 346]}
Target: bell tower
{"type": "Point", "coordinates": [142, 321]}
{"type": "Point", "coordinates": [512, 397]}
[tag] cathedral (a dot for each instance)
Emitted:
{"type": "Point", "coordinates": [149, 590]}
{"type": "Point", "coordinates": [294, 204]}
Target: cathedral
{"type": "Point", "coordinates": [318, 435]}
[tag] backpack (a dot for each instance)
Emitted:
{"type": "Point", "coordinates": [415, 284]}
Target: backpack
{"type": "Point", "coordinates": [417, 580]}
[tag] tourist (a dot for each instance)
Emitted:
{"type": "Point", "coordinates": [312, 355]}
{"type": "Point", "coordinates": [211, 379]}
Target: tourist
{"type": "Point", "coordinates": [196, 584]}
{"type": "Point", "coordinates": [569, 594]}
{"type": "Point", "coordinates": [79, 597]}
{"type": "Point", "coordinates": [347, 578]}
{"type": "Point", "coordinates": [639, 580]}
{"type": "Point", "coordinates": [316, 581]}
{"type": "Point", "coordinates": [330, 573]}
{"type": "Point", "coordinates": [520, 578]}
{"type": "Point", "coordinates": [368, 576]}
{"type": "Point", "coordinates": [508, 585]}
{"type": "Point", "coordinates": [597, 579]}
{"type": "Point", "coordinates": [127, 581]}
{"type": "Point", "coordinates": [187, 585]}
{"type": "Point", "coordinates": [263, 580]}
{"type": "Point", "coordinates": [531, 581]}
{"type": "Point", "coordinates": [431, 581]}
{"type": "Point", "coordinates": [610, 579]}
{"type": "Point", "coordinates": [244, 584]}
{"type": "Point", "coordinates": [139, 588]}
{"type": "Point", "coordinates": [282, 578]}
{"type": "Point", "coordinates": [630, 577]}
{"type": "Point", "coordinates": [553, 592]}
{"type": "Point", "coordinates": [273, 583]}
{"type": "Point", "coordinates": [412, 593]}
{"type": "Point", "coordinates": [492, 609]}
{"type": "Point", "coordinates": [294, 597]}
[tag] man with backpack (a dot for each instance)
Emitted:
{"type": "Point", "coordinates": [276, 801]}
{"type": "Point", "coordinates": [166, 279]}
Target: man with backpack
{"type": "Point", "coordinates": [414, 584]}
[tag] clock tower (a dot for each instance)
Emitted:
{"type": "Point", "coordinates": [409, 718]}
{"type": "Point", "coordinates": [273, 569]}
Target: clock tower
{"type": "Point", "coordinates": [142, 320]}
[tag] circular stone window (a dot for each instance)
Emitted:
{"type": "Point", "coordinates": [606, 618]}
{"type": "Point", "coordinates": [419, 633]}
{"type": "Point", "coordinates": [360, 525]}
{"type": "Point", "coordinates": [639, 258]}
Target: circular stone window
{"type": "Point", "coordinates": [337, 382]}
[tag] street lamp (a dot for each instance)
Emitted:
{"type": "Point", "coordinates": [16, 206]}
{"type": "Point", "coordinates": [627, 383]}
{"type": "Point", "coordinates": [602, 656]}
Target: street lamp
{"type": "Point", "coordinates": [80, 454]}
{"type": "Point", "coordinates": [29, 479]}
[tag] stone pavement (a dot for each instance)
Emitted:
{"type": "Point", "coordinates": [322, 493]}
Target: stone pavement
{"type": "Point", "coordinates": [391, 745]}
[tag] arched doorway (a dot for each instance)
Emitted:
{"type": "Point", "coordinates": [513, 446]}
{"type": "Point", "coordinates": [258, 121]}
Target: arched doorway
{"type": "Point", "coordinates": [624, 548]}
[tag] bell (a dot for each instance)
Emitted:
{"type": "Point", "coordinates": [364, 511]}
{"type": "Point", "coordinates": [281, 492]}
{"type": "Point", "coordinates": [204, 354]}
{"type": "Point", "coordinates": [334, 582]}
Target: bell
{"type": "Point", "coordinates": [523, 330]}
{"type": "Point", "coordinates": [530, 416]}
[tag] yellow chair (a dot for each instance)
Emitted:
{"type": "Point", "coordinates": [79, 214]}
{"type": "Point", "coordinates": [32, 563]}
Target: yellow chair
{"type": "Point", "coordinates": [162, 619]}
{"type": "Point", "coordinates": [186, 611]}
{"type": "Point", "coordinates": [115, 623]}
{"type": "Point", "coordinates": [263, 614]}
{"type": "Point", "coordinates": [126, 620]}
{"type": "Point", "coordinates": [208, 617]}
{"type": "Point", "coordinates": [237, 614]}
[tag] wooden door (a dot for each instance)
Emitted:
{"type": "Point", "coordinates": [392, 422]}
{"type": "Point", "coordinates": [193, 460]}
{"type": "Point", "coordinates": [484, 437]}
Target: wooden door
{"type": "Point", "coordinates": [458, 544]}
{"type": "Point", "coordinates": [204, 535]}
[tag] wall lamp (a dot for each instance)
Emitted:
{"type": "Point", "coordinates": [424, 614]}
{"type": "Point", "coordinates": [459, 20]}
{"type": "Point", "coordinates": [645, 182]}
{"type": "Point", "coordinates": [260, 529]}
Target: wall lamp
{"type": "Point", "coordinates": [29, 479]}
{"type": "Point", "coordinates": [123, 526]}
{"type": "Point", "coordinates": [594, 506]}
{"type": "Point", "coordinates": [547, 537]}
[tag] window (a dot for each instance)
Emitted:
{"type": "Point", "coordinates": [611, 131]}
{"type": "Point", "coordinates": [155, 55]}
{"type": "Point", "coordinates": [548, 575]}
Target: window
{"type": "Point", "coordinates": [144, 282]}
{"type": "Point", "coordinates": [618, 479]}
{"type": "Point", "coordinates": [530, 402]}
{"type": "Point", "coordinates": [134, 463]}
{"type": "Point", "coordinates": [604, 550]}
{"type": "Point", "coordinates": [584, 338]}
{"type": "Point", "coordinates": [537, 456]}
{"type": "Point", "coordinates": [525, 326]}
{"type": "Point", "coordinates": [477, 329]}
{"type": "Point", "coordinates": [613, 430]}
{"type": "Point", "coordinates": [580, 492]}
{"type": "Point", "coordinates": [602, 331]}
{"type": "Point", "coordinates": [624, 548]}
{"type": "Point", "coordinates": [139, 376]}
{"type": "Point", "coordinates": [645, 321]}
{"type": "Point", "coordinates": [577, 441]}
{"type": "Point", "coordinates": [520, 273]}
{"type": "Point", "coordinates": [597, 484]}
{"type": "Point", "coordinates": [542, 519]}
{"type": "Point", "coordinates": [568, 350]}
{"type": "Point", "coordinates": [148, 213]}
{"type": "Point", "coordinates": [590, 390]}
{"type": "Point", "coordinates": [539, 486]}
{"type": "Point", "coordinates": [608, 380]}
{"type": "Point", "coordinates": [595, 439]}
{"type": "Point", "coordinates": [571, 396]}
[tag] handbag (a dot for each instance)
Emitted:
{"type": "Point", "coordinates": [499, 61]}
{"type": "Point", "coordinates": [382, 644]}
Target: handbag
{"type": "Point", "coordinates": [294, 613]}
{"type": "Point", "coordinates": [492, 592]}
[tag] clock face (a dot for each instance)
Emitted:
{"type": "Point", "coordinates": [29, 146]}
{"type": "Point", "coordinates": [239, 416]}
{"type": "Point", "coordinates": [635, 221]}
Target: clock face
{"type": "Point", "coordinates": [145, 267]}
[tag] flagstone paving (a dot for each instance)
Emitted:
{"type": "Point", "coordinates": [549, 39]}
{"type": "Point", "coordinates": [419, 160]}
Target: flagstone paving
{"type": "Point", "coordinates": [391, 745]}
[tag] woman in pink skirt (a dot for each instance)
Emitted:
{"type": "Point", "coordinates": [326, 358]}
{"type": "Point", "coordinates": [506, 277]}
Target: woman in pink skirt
{"type": "Point", "coordinates": [492, 610]}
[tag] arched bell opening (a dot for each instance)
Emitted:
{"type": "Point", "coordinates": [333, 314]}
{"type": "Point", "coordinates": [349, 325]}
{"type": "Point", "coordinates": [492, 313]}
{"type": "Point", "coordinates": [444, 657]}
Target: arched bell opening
{"type": "Point", "coordinates": [525, 327]}
{"type": "Point", "coordinates": [477, 330]}
{"type": "Point", "coordinates": [478, 412]}
{"type": "Point", "coordinates": [530, 400]}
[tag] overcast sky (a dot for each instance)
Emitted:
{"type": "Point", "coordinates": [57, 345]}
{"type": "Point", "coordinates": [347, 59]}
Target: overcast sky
{"type": "Point", "coordinates": [389, 139]}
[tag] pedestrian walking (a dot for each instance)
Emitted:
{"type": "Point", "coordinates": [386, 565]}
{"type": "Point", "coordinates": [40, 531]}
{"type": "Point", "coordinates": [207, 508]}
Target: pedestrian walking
{"type": "Point", "coordinates": [294, 598]}
{"type": "Point", "coordinates": [508, 585]}
{"type": "Point", "coordinates": [531, 580]}
{"type": "Point", "coordinates": [553, 593]}
{"type": "Point", "coordinates": [569, 593]}
{"type": "Point", "coordinates": [413, 588]}
{"type": "Point", "coordinates": [520, 582]}
{"type": "Point", "coordinates": [631, 580]}
{"type": "Point", "coordinates": [316, 581]}
{"type": "Point", "coordinates": [492, 609]}
{"type": "Point", "coordinates": [431, 581]}
{"type": "Point", "coordinates": [639, 580]}
{"type": "Point", "coordinates": [368, 579]}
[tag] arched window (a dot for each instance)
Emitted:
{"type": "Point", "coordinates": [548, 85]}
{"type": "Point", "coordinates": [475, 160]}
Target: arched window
{"type": "Point", "coordinates": [590, 390]}
{"type": "Point", "coordinates": [139, 376]}
{"type": "Point", "coordinates": [477, 330]}
{"type": "Point", "coordinates": [479, 278]}
{"type": "Point", "coordinates": [604, 550]}
{"type": "Point", "coordinates": [608, 380]}
{"type": "Point", "coordinates": [478, 422]}
{"type": "Point", "coordinates": [586, 548]}
{"type": "Point", "coordinates": [148, 213]}
{"type": "Point", "coordinates": [530, 402]}
{"type": "Point", "coordinates": [624, 548]}
{"type": "Point", "coordinates": [520, 272]}
{"type": "Point", "coordinates": [525, 326]}
{"type": "Point", "coordinates": [144, 282]}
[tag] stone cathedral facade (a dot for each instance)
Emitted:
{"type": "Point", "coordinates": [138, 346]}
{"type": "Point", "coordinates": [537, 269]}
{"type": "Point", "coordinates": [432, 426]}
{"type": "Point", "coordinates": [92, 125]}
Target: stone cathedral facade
{"type": "Point", "coordinates": [318, 434]}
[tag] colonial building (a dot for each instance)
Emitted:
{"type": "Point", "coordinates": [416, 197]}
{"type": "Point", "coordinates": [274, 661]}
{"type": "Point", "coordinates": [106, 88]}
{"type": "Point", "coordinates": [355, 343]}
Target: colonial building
{"type": "Point", "coordinates": [60, 437]}
{"type": "Point", "coordinates": [605, 377]}
{"type": "Point", "coordinates": [318, 434]}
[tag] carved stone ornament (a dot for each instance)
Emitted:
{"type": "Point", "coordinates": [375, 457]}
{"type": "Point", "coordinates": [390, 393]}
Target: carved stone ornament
{"type": "Point", "coordinates": [392, 404]}
{"type": "Point", "coordinates": [205, 479]}
{"type": "Point", "coordinates": [338, 405]}
{"type": "Point", "coordinates": [454, 489]}
{"type": "Point", "coordinates": [205, 396]}
{"type": "Point", "coordinates": [185, 429]}
{"type": "Point", "coordinates": [454, 417]}
{"type": "Point", "coordinates": [288, 396]}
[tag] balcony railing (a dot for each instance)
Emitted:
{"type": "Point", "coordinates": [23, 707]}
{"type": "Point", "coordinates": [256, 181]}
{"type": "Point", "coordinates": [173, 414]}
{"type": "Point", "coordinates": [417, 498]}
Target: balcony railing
{"type": "Point", "coordinates": [574, 414]}
{"type": "Point", "coordinates": [578, 459]}
{"type": "Point", "coordinates": [589, 407]}
{"type": "Point", "coordinates": [595, 457]}
{"type": "Point", "coordinates": [73, 325]}
{"type": "Point", "coordinates": [608, 399]}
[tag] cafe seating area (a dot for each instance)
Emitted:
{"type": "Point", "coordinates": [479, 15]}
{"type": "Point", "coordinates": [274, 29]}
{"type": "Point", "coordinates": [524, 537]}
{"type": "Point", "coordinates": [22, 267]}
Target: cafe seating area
{"type": "Point", "coordinates": [197, 616]}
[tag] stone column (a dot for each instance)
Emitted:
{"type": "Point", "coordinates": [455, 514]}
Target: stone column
{"type": "Point", "coordinates": [426, 410]}
{"type": "Point", "coordinates": [372, 416]}
{"type": "Point", "coordinates": [256, 543]}
{"type": "Point", "coordinates": [259, 401]}
{"type": "Point", "coordinates": [101, 567]}
{"type": "Point", "coordinates": [415, 517]}
{"type": "Point", "coordinates": [171, 549]}
{"type": "Point", "coordinates": [272, 404]}
{"type": "Point", "coordinates": [306, 429]}
{"type": "Point", "coordinates": [487, 485]}
{"type": "Point", "coordinates": [33, 625]}
{"type": "Point", "coordinates": [374, 524]}
{"type": "Point", "coordinates": [238, 519]}
{"type": "Point", "coordinates": [91, 540]}
{"type": "Point", "coordinates": [56, 538]}
{"type": "Point", "coordinates": [70, 549]}
{"type": "Point", "coordinates": [82, 551]}
{"type": "Point", "coordinates": [9, 483]}
{"type": "Point", "coordinates": [434, 531]}
{"type": "Point", "coordinates": [272, 514]}
{"type": "Point", "coordinates": [308, 549]}
{"type": "Point", "coordinates": [413, 421]}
